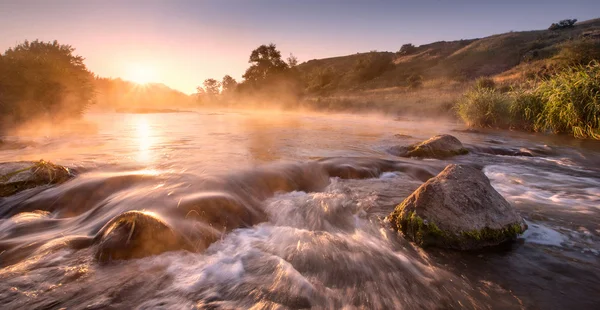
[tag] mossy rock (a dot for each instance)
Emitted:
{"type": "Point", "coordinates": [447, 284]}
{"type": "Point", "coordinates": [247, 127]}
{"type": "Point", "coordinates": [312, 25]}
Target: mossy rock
{"type": "Point", "coordinates": [440, 146]}
{"type": "Point", "coordinates": [19, 176]}
{"type": "Point", "coordinates": [457, 209]}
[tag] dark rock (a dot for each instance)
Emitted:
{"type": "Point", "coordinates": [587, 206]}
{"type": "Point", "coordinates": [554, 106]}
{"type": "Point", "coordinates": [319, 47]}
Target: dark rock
{"type": "Point", "coordinates": [137, 234]}
{"type": "Point", "coordinates": [440, 146]}
{"type": "Point", "coordinates": [457, 209]}
{"type": "Point", "coordinates": [19, 176]}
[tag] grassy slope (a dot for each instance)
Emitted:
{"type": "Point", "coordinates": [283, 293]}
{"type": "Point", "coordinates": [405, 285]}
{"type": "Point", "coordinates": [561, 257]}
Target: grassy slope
{"type": "Point", "coordinates": [446, 67]}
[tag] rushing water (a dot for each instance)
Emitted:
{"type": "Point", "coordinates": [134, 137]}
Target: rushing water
{"type": "Point", "coordinates": [275, 210]}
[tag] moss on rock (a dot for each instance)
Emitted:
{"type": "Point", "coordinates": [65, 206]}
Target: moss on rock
{"type": "Point", "coordinates": [426, 233]}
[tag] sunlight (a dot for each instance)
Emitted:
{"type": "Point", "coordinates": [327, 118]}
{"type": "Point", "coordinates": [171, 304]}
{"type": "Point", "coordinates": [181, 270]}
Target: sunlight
{"type": "Point", "coordinates": [140, 74]}
{"type": "Point", "coordinates": [145, 139]}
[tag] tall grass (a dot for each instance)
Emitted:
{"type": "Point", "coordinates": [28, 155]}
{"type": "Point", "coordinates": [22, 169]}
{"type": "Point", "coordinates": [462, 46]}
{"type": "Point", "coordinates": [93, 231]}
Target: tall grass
{"type": "Point", "coordinates": [484, 107]}
{"type": "Point", "coordinates": [571, 102]}
{"type": "Point", "coordinates": [567, 102]}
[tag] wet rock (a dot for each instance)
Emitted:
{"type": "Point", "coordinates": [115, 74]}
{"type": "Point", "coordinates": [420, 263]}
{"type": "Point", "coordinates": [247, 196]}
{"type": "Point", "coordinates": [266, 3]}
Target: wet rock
{"type": "Point", "coordinates": [457, 209]}
{"type": "Point", "coordinates": [440, 146]}
{"type": "Point", "coordinates": [19, 176]}
{"type": "Point", "coordinates": [137, 234]}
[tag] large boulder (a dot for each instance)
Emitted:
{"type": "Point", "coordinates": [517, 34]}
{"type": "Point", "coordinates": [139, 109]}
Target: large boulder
{"type": "Point", "coordinates": [440, 146]}
{"type": "Point", "coordinates": [18, 176]}
{"type": "Point", "coordinates": [457, 209]}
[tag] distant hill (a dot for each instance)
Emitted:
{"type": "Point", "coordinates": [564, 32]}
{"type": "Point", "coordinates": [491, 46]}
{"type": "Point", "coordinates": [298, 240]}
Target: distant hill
{"type": "Point", "coordinates": [456, 61]}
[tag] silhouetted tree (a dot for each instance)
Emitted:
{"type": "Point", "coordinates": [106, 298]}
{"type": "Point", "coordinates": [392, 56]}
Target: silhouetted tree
{"type": "Point", "coordinates": [229, 84]}
{"type": "Point", "coordinates": [292, 61]}
{"type": "Point", "coordinates": [211, 87]}
{"type": "Point", "coordinates": [563, 24]}
{"type": "Point", "coordinates": [43, 79]}
{"type": "Point", "coordinates": [265, 63]}
{"type": "Point", "coordinates": [407, 49]}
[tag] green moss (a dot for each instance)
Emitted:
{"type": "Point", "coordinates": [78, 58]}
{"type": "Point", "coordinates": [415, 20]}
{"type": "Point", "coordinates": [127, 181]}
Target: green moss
{"type": "Point", "coordinates": [426, 233]}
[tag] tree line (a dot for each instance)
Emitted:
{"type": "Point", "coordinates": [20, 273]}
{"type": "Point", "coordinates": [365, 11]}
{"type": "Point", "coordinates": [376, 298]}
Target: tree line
{"type": "Point", "coordinates": [268, 74]}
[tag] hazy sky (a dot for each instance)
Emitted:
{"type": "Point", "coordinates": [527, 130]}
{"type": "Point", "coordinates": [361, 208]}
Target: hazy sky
{"type": "Point", "coordinates": [184, 42]}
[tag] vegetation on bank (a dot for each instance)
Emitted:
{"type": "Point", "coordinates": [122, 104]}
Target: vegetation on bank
{"type": "Point", "coordinates": [43, 79]}
{"type": "Point", "coordinates": [566, 102]}
{"type": "Point", "coordinates": [542, 80]}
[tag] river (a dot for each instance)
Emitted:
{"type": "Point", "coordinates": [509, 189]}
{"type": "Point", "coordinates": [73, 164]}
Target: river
{"type": "Point", "coordinates": [286, 210]}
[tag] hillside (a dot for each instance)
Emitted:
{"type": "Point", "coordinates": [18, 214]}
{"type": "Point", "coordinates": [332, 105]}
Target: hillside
{"type": "Point", "coordinates": [456, 61]}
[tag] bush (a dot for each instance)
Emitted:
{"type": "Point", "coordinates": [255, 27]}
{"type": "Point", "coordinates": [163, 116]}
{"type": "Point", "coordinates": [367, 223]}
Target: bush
{"type": "Point", "coordinates": [563, 24]}
{"type": "Point", "coordinates": [579, 52]}
{"type": "Point", "coordinates": [485, 82]}
{"type": "Point", "coordinates": [571, 102]}
{"type": "Point", "coordinates": [484, 107]}
{"type": "Point", "coordinates": [415, 81]}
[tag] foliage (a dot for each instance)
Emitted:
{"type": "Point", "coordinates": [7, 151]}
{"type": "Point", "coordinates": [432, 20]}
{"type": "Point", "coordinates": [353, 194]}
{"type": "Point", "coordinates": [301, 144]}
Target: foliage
{"type": "Point", "coordinates": [371, 65]}
{"type": "Point", "coordinates": [407, 49]}
{"type": "Point", "coordinates": [43, 79]}
{"type": "Point", "coordinates": [265, 63]}
{"type": "Point", "coordinates": [292, 61]}
{"type": "Point", "coordinates": [563, 24]}
{"type": "Point", "coordinates": [567, 102]}
{"type": "Point", "coordinates": [228, 84]}
{"type": "Point", "coordinates": [484, 107]}
{"type": "Point", "coordinates": [579, 52]}
{"type": "Point", "coordinates": [485, 82]}
{"type": "Point", "coordinates": [415, 81]}
{"type": "Point", "coordinates": [211, 87]}
{"type": "Point", "coordinates": [571, 102]}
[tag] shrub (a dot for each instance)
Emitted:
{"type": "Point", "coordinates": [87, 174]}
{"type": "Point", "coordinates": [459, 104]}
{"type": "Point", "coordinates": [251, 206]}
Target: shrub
{"type": "Point", "coordinates": [579, 52]}
{"type": "Point", "coordinates": [563, 24]}
{"type": "Point", "coordinates": [485, 82]}
{"type": "Point", "coordinates": [415, 81]}
{"type": "Point", "coordinates": [571, 102]}
{"type": "Point", "coordinates": [484, 107]}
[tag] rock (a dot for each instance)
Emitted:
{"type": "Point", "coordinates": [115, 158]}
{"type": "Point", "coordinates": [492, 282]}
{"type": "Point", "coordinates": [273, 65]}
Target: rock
{"type": "Point", "coordinates": [137, 234]}
{"type": "Point", "coordinates": [457, 209]}
{"type": "Point", "coordinates": [19, 176]}
{"type": "Point", "coordinates": [440, 146]}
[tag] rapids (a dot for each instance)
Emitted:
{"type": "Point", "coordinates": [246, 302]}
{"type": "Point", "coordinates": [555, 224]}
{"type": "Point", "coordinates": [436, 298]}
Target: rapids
{"type": "Point", "coordinates": [271, 210]}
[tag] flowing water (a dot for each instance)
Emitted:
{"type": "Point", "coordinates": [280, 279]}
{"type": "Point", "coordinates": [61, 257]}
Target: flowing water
{"type": "Point", "coordinates": [282, 210]}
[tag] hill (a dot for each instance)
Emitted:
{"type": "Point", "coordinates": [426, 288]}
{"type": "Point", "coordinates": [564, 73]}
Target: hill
{"type": "Point", "coordinates": [460, 61]}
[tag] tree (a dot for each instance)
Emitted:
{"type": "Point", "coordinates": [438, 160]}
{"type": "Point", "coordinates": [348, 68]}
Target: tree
{"type": "Point", "coordinates": [211, 87]}
{"type": "Point", "coordinates": [265, 63]}
{"type": "Point", "coordinates": [563, 24]}
{"type": "Point", "coordinates": [407, 49]}
{"type": "Point", "coordinates": [292, 61]}
{"type": "Point", "coordinates": [229, 84]}
{"type": "Point", "coordinates": [43, 79]}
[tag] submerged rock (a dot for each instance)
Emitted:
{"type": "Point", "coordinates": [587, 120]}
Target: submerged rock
{"type": "Point", "coordinates": [457, 209]}
{"type": "Point", "coordinates": [19, 176]}
{"type": "Point", "coordinates": [440, 146]}
{"type": "Point", "coordinates": [137, 234]}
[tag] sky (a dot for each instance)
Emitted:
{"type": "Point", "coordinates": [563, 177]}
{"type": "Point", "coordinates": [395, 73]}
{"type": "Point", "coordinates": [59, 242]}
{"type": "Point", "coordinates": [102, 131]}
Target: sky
{"type": "Point", "coordinates": [183, 42]}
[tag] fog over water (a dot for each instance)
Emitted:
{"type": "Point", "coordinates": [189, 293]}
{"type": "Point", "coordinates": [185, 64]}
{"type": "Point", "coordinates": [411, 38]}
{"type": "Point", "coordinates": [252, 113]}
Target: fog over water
{"type": "Point", "coordinates": [275, 209]}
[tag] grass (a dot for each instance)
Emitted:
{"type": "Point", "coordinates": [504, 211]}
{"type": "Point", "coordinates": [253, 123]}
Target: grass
{"type": "Point", "coordinates": [567, 102]}
{"type": "Point", "coordinates": [571, 102]}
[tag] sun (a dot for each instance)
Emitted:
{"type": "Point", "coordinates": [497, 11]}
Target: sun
{"type": "Point", "coordinates": [140, 74]}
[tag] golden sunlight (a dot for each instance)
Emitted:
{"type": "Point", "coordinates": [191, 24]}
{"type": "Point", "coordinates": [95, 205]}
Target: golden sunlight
{"type": "Point", "coordinates": [140, 74]}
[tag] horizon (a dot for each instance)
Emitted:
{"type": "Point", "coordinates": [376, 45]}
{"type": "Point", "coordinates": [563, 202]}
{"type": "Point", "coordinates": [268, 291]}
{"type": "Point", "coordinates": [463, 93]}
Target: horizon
{"type": "Point", "coordinates": [182, 43]}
